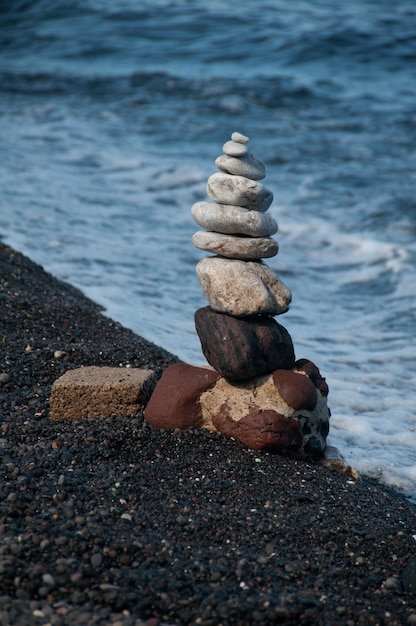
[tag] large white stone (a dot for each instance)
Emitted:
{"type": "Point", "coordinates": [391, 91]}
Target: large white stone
{"type": "Point", "coordinates": [233, 220]}
{"type": "Point", "coordinates": [239, 191]}
{"type": "Point", "coordinates": [232, 247]}
{"type": "Point", "coordinates": [242, 288]}
{"type": "Point", "coordinates": [249, 166]}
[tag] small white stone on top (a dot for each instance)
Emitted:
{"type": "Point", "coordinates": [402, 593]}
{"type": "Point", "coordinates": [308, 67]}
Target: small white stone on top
{"type": "Point", "coordinates": [239, 138]}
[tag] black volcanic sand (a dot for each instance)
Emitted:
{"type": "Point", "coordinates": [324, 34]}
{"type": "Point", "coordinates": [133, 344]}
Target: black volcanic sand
{"type": "Point", "coordinates": [106, 521]}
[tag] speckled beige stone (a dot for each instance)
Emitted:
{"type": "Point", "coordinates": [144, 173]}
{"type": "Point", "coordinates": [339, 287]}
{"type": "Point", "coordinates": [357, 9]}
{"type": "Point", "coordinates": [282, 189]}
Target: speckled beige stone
{"type": "Point", "coordinates": [242, 287]}
{"type": "Point", "coordinates": [241, 397]}
{"type": "Point", "coordinates": [101, 392]}
{"type": "Point", "coordinates": [255, 413]}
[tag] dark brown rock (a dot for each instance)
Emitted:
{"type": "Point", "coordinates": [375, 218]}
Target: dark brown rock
{"type": "Point", "coordinates": [242, 348]}
{"type": "Point", "coordinates": [297, 390]}
{"type": "Point", "coordinates": [175, 400]}
{"type": "Point", "coordinates": [260, 429]}
{"type": "Point", "coordinates": [311, 370]}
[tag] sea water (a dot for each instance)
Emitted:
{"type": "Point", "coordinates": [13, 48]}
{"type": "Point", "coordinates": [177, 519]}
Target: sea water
{"type": "Point", "coordinates": [111, 117]}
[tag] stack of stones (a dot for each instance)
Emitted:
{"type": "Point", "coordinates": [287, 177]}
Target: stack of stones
{"type": "Point", "coordinates": [255, 391]}
{"type": "Point", "coordinates": [238, 334]}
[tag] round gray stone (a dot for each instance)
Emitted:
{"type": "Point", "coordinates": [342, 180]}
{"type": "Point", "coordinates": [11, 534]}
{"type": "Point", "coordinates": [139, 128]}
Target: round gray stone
{"type": "Point", "coordinates": [239, 191]}
{"type": "Point", "coordinates": [232, 247]}
{"type": "Point", "coordinates": [249, 166]}
{"type": "Point", "coordinates": [234, 148]}
{"type": "Point", "coordinates": [242, 287]}
{"type": "Point", "coordinates": [233, 220]}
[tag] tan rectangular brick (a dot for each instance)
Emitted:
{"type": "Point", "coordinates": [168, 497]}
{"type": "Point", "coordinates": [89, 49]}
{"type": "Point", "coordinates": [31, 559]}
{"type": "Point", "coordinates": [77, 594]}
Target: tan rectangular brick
{"type": "Point", "coordinates": [101, 392]}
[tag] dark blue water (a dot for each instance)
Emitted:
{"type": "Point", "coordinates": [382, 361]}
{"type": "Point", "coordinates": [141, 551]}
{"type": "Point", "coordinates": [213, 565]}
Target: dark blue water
{"type": "Point", "coordinates": [111, 117]}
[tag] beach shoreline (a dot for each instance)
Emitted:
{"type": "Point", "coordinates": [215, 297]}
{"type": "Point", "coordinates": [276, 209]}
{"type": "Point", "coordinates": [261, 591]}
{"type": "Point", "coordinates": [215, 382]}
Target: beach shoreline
{"type": "Point", "coordinates": [109, 521]}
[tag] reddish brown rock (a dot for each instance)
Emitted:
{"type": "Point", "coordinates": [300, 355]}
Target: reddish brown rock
{"type": "Point", "coordinates": [260, 429]}
{"type": "Point", "coordinates": [296, 389]}
{"type": "Point", "coordinates": [255, 412]}
{"type": "Point", "coordinates": [242, 348]}
{"type": "Point", "coordinates": [175, 400]}
{"type": "Point", "coordinates": [311, 370]}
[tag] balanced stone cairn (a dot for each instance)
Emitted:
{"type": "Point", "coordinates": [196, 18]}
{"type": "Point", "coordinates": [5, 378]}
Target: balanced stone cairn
{"type": "Point", "coordinates": [255, 391]}
{"type": "Point", "coordinates": [238, 334]}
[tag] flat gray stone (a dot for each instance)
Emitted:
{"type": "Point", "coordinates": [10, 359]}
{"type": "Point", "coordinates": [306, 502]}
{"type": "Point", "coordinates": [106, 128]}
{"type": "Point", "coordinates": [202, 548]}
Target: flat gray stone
{"type": "Point", "coordinates": [249, 166]}
{"type": "Point", "coordinates": [233, 247]}
{"type": "Point", "coordinates": [234, 148]}
{"type": "Point", "coordinates": [233, 220]}
{"type": "Point", "coordinates": [239, 191]}
{"type": "Point", "coordinates": [242, 287]}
